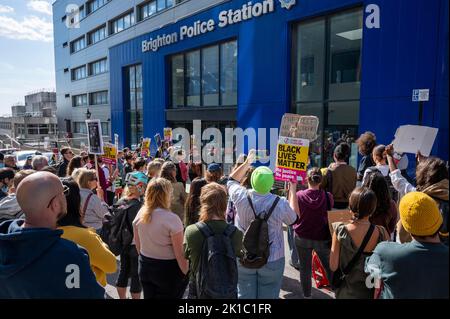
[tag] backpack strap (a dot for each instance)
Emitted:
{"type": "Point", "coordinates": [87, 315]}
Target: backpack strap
{"type": "Point", "coordinates": [229, 230]}
{"type": "Point", "coordinates": [251, 204]}
{"type": "Point", "coordinates": [85, 206]}
{"type": "Point", "coordinates": [364, 243]}
{"type": "Point", "coordinates": [266, 218]}
{"type": "Point", "coordinates": [204, 229]}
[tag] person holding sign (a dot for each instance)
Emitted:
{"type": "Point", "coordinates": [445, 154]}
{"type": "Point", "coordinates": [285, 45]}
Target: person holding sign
{"type": "Point", "coordinates": [311, 230]}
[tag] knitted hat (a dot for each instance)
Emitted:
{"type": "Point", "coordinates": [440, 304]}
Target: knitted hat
{"type": "Point", "coordinates": [420, 214]}
{"type": "Point", "coordinates": [262, 180]}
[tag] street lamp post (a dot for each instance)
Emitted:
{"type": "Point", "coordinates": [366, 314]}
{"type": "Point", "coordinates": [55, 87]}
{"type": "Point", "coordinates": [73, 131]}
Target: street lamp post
{"type": "Point", "coordinates": [88, 114]}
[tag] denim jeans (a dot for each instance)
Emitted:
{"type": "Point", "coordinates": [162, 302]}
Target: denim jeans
{"type": "Point", "coordinates": [292, 246]}
{"type": "Point", "coordinates": [262, 283]}
{"type": "Point", "coordinates": [305, 248]}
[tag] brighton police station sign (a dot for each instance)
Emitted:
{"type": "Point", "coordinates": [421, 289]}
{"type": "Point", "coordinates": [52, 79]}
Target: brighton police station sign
{"type": "Point", "coordinates": [248, 11]}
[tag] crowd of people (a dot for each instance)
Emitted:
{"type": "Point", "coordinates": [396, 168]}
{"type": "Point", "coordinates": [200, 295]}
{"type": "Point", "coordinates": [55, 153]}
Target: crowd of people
{"type": "Point", "coordinates": [63, 226]}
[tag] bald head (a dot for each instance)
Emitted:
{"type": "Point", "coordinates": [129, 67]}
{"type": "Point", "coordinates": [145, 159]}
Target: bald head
{"type": "Point", "coordinates": [40, 195]}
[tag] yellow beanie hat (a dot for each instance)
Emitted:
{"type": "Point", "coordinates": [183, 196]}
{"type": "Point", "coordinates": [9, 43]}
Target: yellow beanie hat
{"type": "Point", "coordinates": [420, 214]}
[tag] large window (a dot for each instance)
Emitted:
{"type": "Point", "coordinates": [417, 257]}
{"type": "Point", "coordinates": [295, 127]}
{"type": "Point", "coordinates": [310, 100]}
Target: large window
{"type": "Point", "coordinates": [97, 35]}
{"type": "Point", "coordinates": [122, 23]}
{"type": "Point", "coordinates": [79, 128]}
{"type": "Point", "coordinates": [105, 128]}
{"type": "Point", "coordinates": [79, 100]}
{"type": "Point", "coordinates": [79, 73]}
{"type": "Point", "coordinates": [135, 105]}
{"type": "Point", "coordinates": [206, 77]}
{"type": "Point", "coordinates": [149, 8]}
{"type": "Point", "coordinates": [98, 67]}
{"type": "Point", "coordinates": [99, 98]}
{"type": "Point", "coordinates": [78, 44]}
{"type": "Point", "coordinates": [327, 53]}
{"type": "Point", "coordinates": [94, 5]}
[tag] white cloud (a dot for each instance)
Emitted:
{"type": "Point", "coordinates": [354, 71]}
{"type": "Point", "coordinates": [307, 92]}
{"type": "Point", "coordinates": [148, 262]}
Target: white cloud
{"type": "Point", "coordinates": [30, 28]}
{"type": "Point", "coordinates": [6, 9]}
{"type": "Point", "coordinates": [41, 6]}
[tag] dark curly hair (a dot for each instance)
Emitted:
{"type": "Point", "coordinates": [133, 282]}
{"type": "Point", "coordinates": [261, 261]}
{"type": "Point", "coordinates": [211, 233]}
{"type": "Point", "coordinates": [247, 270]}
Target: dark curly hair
{"type": "Point", "coordinates": [429, 172]}
{"type": "Point", "coordinates": [366, 142]}
{"type": "Point", "coordinates": [377, 183]}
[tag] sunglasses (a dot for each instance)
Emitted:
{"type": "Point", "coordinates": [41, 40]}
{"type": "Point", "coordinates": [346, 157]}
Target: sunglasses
{"type": "Point", "coordinates": [65, 191]}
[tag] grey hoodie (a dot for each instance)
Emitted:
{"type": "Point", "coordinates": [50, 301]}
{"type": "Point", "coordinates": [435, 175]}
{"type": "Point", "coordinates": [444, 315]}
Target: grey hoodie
{"type": "Point", "coordinates": [9, 208]}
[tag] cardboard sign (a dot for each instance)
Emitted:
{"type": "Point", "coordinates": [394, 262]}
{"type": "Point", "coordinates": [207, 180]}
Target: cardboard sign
{"type": "Point", "coordinates": [109, 154]}
{"type": "Point", "coordinates": [145, 150]}
{"type": "Point", "coordinates": [299, 126]}
{"type": "Point", "coordinates": [339, 216]}
{"type": "Point", "coordinates": [292, 159]}
{"type": "Point", "coordinates": [95, 139]}
{"type": "Point", "coordinates": [167, 134]}
{"type": "Point", "coordinates": [158, 140]}
{"type": "Point", "coordinates": [414, 138]}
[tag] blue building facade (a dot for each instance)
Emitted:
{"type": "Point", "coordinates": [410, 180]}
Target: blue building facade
{"type": "Point", "coordinates": [354, 64]}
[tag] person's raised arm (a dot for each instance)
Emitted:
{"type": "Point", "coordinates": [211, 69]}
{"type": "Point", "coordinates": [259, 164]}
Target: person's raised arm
{"type": "Point", "coordinates": [239, 173]}
{"type": "Point", "coordinates": [390, 158]}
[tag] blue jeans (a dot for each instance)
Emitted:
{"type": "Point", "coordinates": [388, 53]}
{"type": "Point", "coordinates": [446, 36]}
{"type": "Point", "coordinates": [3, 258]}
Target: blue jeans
{"type": "Point", "coordinates": [262, 283]}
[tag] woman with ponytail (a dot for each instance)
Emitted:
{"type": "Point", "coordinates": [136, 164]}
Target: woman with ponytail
{"type": "Point", "coordinates": [158, 234]}
{"type": "Point", "coordinates": [312, 231]}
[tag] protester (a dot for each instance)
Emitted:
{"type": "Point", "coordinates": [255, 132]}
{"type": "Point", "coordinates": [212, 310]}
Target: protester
{"type": "Point", "coordinates": [366, 143]}
{"type": "Point", "coordinates": [213, 203]}
{"type": "Point", "coordinates": [9, 207]}
{"type": "Point", "coordinates": [213, 173]}
{"type": "Point", "coordinates": [386, 213]}
{"type": "Point", "coordinates": [110, 177]}
{"type": "Point", "coordinates": [264, 282]}
{"type": "Point", "coordinates": [159, 240]}
{"type": "Point", "coordinates": [103, 182]}
{"type": "Point", "coordinates": [340, 178]}
{"type": "Point", "coordinates": [27, 164]}
{"type": "Point", "coordinates": [349, 239]}
{"type": "Point", "coordinates": [379, 156]}
{"type": "Point", "coordinates": [195, 170]}
{"type": "Point", "coordinates": [182, 169]}
{"type": "Point", "coordinates": [75, 162]}
{"type": "Point", "coordinates": [36, 261]}
{"type": "Point", "coordinates": [6, 181]}
{"type": "Point", "coordinates": [128, 168]}
{"type": "Point", "coordinates": [246, 182]}
{"type": "Point", "coordinates": [178, 198]}
{"type": "Point", "coordinates": [10, 162]}
{"type": "Point", "coordinates": [50, 169]}
{"type": "Point", "coordinates": [139, 165]}
{"type": "Point", "coordinates": [93, 207]}
{"type": "Point", "coordinates": [129, 258]}
{"type": "Point", "coordinates": [153, 169]}
{"type": "Point", "coordinates": [419, 269]}
{"type": "Point", "coordinates": [192, 207]}
{"type": "Point", "coordinates": [39, 162]}
{"type": "Point", "coordinates": [67, 155]}
{"type": "Point", "coordinates": [101, 259]}
{"type": "Point", "coordinates": [432, 179]}
{"type": "Point", "coordinates": [311, 230]}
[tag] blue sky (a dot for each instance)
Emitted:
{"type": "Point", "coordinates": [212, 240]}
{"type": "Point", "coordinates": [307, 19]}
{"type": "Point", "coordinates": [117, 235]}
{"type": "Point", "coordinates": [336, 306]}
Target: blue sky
{"type": "Point", "coordinates": [26, 50]}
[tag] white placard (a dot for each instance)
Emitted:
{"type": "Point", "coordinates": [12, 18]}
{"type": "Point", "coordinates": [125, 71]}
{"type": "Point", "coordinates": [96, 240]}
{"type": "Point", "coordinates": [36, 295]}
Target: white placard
{"type": "Point", "coordinates": [414, 138]}
{"type": "Point", "coordinates": [95, 139]}
{"type": "Point", "coordinates": [421, 95]}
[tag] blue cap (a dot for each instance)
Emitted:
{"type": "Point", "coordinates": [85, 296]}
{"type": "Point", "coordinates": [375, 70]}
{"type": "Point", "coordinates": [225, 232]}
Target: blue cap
{"type": "Point", "coordinates": [214, 167]}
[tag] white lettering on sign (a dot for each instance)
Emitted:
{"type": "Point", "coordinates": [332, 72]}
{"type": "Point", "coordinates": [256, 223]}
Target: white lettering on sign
{"type": "Point", "coordinates": [422, 95]}
{"type": "Point", "coordinates": [248, 11]}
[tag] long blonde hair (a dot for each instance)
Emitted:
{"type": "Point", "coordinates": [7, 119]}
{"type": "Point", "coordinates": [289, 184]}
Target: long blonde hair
{"type": "Point", "coordinates": [158, 195]}
{"type": "Point", "coordinates": [213, 202]}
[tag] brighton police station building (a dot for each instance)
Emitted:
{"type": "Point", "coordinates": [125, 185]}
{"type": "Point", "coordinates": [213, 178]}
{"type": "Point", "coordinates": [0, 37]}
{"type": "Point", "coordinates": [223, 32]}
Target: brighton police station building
{"type": "Point", "coordinates": [354, 64]}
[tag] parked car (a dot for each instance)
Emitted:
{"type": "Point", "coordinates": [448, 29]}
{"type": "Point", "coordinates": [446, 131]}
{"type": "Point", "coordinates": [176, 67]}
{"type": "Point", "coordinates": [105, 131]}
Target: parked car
{"type": "Point", "coordinates": [21, 156]}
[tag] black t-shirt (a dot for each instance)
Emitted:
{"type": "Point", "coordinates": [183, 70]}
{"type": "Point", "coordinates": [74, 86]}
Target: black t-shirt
{"type": "Point", "coordinates": [133, 210]}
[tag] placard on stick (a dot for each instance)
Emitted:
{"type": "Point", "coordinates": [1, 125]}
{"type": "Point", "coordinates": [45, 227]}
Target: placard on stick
{"type": "Point", "coordinates": [292, 159]}
{"type": "Point", "coordinates": [414, 138]}
{"type": "Point", "coordinates": [95, 139]}
{"type": "Point", "coordinates": [299, 126]}
{"type": "Point", "coordinates": [109, 154]}
{"type": "Point", "coordinates": [168, 134]}
{"type": "Point", "coordinates": [339, 216]}
{"type": "Point", "coordinates": [145, 151]}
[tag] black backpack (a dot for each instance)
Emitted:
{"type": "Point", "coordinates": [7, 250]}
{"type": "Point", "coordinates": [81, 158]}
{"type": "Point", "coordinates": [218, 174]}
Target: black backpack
{"type": "Point", "coordinates": [217, 274]}
{"type": "Point", "coordinates": [392, 191]}
{"type": "Point", "coordinates": [116, 231]}
{"type": "Point", "coordinates": [256, 245]}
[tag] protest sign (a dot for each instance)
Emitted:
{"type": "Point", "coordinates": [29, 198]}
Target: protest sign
{"type": "Point", "coordinates": [299, 126]}
{"type": "Point", "coordinates": [414, 138]}
{"type": "Point", "coordinates": [158, 140]}
{"type": "Point", "coordinates": [339, 216]}
{"type": "Point", "coordinates": [292, 159]}
{"type": "Point", "coordinates": [168, 134]}
{"type": "Point", "coordinates": [109, 156]}
{"type": "Point", "coordinates": [145, 150]}
{"type": "Point", "coordinates": [95, 139]}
